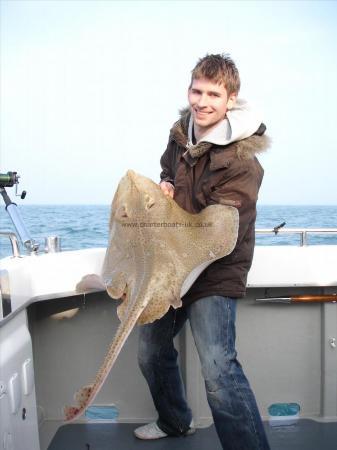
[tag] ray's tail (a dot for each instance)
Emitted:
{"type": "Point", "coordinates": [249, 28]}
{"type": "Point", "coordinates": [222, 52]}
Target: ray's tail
{"type": "Point", "coordinates": [85, 396]}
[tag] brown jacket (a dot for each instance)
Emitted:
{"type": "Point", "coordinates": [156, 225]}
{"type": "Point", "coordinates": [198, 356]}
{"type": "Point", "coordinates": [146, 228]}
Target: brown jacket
{"type": "Point", "coordinates": [229, 174]}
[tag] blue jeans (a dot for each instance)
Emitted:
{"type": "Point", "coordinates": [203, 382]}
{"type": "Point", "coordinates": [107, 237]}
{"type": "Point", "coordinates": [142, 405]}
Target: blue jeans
{"type": "Point", "coordinates": [232, 402]}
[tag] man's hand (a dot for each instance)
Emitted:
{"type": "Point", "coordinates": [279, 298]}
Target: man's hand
{"type": "Point", "coordinates": [167, 188]}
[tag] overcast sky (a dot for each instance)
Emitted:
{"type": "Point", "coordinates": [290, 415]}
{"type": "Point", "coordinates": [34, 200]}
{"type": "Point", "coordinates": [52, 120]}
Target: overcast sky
{"type": "Point", "coordinates": [90, 89]}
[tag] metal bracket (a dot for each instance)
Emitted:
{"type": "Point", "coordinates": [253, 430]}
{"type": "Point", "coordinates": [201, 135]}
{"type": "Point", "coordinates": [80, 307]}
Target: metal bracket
{"type": "Point", "coordinates": [332, 342]}
{"type": "Point", "coordinates": [3, 389]}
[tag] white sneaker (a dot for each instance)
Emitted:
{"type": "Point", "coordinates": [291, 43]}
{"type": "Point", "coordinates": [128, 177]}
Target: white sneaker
{"type": "Point", "coordinates": [152, 431]}
{"type": "Point", "coordinates": [149, 431]}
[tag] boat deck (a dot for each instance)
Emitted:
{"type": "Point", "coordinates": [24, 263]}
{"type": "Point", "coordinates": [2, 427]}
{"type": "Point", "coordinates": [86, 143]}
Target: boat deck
{"type": "Point", "coordinates": [288, 351]}
{"type": "Point", "coordinates": [305, 434]}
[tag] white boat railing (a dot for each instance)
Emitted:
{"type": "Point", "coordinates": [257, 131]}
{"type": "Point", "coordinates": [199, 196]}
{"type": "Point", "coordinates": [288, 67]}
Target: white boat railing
{"type": "Point", "coordinates": [302, 232]}
{"type": "Point", "coordinates": [14, 242]}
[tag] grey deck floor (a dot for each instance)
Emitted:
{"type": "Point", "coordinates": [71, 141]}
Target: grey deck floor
{"type": "Point", "coordinates": [304, 435]}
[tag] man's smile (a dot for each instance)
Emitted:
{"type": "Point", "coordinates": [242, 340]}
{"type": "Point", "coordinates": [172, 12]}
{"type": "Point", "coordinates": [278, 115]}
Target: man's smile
{"type": "Point", "coordinates": [198, 112]}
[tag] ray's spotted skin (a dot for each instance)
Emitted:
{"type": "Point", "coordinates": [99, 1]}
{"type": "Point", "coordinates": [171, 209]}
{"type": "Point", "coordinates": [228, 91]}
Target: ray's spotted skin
{"type": "Point", "coordinates": [156, 251]}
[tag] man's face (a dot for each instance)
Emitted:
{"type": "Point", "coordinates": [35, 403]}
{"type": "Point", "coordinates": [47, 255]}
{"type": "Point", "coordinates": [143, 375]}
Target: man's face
{"type": "Point", "coordinates": [209, 102]}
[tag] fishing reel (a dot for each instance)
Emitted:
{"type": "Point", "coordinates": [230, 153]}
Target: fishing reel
{"type": "Point", "coordinates": [10, 179]}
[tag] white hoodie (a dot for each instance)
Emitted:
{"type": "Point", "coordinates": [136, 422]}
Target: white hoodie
{"type": "Point", "coordinates": [240, 122]}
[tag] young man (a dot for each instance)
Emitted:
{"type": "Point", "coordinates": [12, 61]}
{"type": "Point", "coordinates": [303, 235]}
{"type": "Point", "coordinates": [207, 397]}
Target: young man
{"type": "Point", "coordinates": [210, 158]}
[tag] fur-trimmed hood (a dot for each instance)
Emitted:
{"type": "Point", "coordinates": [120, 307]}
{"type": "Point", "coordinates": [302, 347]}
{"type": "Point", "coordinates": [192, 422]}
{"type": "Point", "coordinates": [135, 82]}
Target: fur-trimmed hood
{"type": "Point", "coordinates": [242, 127]}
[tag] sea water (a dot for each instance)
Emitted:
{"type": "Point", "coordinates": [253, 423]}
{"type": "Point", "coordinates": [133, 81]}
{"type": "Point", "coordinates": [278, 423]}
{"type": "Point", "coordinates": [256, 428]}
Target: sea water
{"type": "Point", "coordinates": [86, 226]}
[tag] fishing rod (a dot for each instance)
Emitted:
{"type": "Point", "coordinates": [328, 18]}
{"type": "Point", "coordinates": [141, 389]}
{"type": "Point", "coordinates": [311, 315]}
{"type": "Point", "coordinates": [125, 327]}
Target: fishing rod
{"type": "Point", "coordinates": [321, 298]}
{"type": "Point", "coordinates": [11, 179]}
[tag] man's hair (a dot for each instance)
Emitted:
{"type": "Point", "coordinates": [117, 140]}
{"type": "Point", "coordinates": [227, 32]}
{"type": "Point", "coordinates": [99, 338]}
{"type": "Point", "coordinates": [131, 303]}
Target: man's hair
{"type": "Point", "coordinates": [220, 69]}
